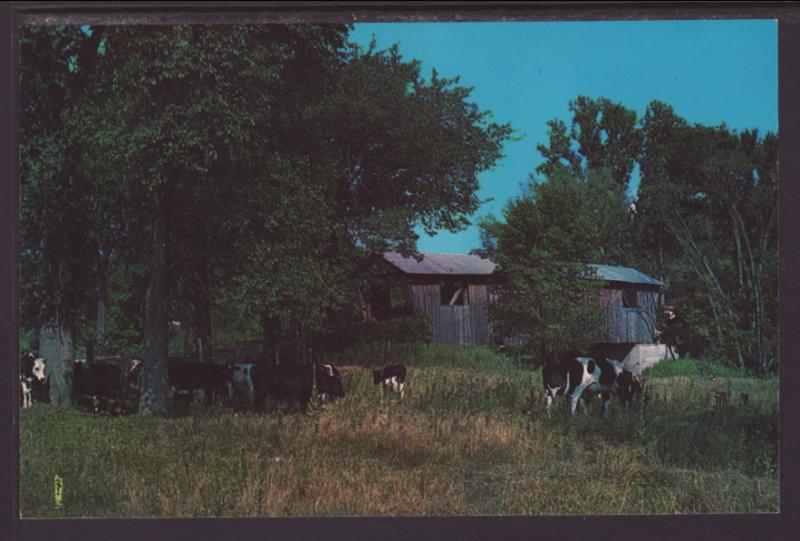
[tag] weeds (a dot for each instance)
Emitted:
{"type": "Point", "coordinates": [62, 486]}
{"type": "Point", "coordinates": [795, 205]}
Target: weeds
{"type": "Point", "coordinates": [458, 443]}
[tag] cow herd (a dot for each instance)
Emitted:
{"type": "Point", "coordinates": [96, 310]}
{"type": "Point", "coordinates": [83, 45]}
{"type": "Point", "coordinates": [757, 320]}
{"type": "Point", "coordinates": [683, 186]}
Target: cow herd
{"type": "Point", "coordinates": [113, 386]}
{"type": "Point", "coordinates": [109, 386]}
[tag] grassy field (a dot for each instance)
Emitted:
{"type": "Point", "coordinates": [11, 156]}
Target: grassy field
{"type": "Point", "coordinates": [458, 444]}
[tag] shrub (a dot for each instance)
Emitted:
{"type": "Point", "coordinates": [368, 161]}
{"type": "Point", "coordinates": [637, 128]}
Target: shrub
{"type": "Point", "coordinates": [687, 366]}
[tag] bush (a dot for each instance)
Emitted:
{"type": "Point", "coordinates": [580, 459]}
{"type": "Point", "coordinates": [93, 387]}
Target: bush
{"type": "Point", "coordinates": [478, 358]}
{"type": "Point", "coordinates": [688, 366]}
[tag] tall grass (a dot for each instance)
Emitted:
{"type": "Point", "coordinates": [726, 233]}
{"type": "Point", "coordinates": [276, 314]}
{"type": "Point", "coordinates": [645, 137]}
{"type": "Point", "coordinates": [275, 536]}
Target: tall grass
{"type": "Point", "coordinates": [459, 443]}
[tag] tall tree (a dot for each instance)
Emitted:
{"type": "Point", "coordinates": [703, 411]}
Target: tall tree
{"type": "Point", "coordinates": [391, 151]}
{"type": "Point", "coordinates": [57, 234]}
{"type": "Point", "coordinates": [190, 147]}
{"type": "Point", "coordinates": [543, 246]}
{"type": "Point", "coordinates": [602, 135]}
{"type": "Point", "coordinates": [176, 115]}
{"type": "Point", "coordinates": [713, 193]}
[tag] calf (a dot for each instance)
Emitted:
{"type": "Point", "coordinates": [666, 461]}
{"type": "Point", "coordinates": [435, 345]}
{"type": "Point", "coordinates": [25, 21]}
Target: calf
{"type": "Point", "coordinates": [284, 382]}
{"type": "Point", "coordinates": [573, 374]}
{"type": "Point", "coordinates": [185, 376]}
{"type": "Point", "coordinates": [328, 382]}
{"type": "Point", "coordinates": [391, 377]}
{"type": "Point", "coordinates": [31, 371]}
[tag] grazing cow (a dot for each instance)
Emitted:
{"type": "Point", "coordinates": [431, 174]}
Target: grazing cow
{"type": "Point", "coordinates": [391, 377]}
{"type": "Point", "coordinates": [573, 374]}
{"type": "Point", "coordinates": [328, 382]}
{"type": "Point", "coordinates": [186, 377]}
{"type": "Point", "coordinates": [284, 382]}
{"type": "Point", "coordinates": [31, 371]}
{"type": "Point", "coordinates": [98, 385]}
{"type": "Point", "coordinates": [241, 379]}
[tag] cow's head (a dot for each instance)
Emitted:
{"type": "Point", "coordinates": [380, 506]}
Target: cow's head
{"type": "Point", "coordinates": [377, 376]}
{"type": "Point", "coordinates": [553, 378]}
{"type": "Point", "coordinates": [328, 381]}
{"type": "Point", "coordinates": [628, 386]}
{"type": "Point", "coordinates": [38, 369]}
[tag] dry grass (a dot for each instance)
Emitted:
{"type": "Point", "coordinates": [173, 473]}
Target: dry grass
{"type": "Point", "coordinates": [458, 444]}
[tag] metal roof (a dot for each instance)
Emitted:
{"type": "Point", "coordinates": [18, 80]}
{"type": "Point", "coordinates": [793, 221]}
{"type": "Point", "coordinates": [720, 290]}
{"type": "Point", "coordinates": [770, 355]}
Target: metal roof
{"type": "Point", "coordinates": [467, 264]}
{"type": "Point", "coordinates": [624, 274]}
{"type": "Point", "coordinates": [463, 264]}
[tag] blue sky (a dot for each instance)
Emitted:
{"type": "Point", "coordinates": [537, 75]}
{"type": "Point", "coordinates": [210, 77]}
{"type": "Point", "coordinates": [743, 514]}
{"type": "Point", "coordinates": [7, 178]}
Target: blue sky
{"type": "Point", "coordinates": [710, 72]}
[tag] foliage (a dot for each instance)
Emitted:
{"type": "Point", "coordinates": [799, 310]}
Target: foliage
{"type": "Point", "coordinates": [707, 221]}
{"type": "Point", "coordinates": [702, 218]}
{"type": "Point", "coordinates": [184, 184]}
{"type": "Point", "coordinates": [687, 366]}
{"type": "Point", "coordinates": [603, 135]}
{"type": "Point", "coordinates": [395, 330]}
{"type": "Point", "coordinates": [543, 245]}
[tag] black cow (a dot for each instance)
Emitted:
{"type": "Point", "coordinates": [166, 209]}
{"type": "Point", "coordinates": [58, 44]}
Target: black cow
{"type": "Point", "coordinates": [31, 374]}
{"type": "Point", "coordinates": [284, 382]}
{"type": "Point", "coordinates": [187, 376]}
{"type": "Point", "coordinates": [100, 386]}
{"type": "Point", "coordinates": [574, 374]}
{"type": "Point", "coordinates": [391, 377]}
{"type": "Point", "coordinates": [329, 383]}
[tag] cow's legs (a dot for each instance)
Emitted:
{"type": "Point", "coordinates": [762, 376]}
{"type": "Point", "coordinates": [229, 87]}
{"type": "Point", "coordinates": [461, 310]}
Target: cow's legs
{"type": "Point", "coordinates": [402, 389]}
{"type": "Point", "coordinates": [606, 402]}
{"type": "Point", "coordinates": [26, 396]}
{"type": "Point", "coordinates": [575, 397]}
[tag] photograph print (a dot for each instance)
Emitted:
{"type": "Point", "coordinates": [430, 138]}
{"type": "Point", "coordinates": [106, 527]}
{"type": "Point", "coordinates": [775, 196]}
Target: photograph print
{"type": "Point", "coordinates": [398, 269]}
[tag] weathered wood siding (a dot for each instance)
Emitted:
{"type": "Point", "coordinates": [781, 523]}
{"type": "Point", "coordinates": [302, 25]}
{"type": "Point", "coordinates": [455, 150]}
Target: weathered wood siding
{"type": "Point", "coordinates": [629, 325]}
{"type": "Point", "coordinates": [458, 325]}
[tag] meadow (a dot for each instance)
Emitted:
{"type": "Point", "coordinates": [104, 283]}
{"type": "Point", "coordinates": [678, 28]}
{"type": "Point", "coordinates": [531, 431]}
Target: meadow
{"type": "Point", "coordinates": [460, 443]}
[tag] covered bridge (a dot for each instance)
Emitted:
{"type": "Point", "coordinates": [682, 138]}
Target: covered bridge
{"type": "Point", "coordinates": [453, 290]}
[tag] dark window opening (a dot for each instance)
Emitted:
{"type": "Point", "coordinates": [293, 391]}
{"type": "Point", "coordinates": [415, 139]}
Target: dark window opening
{"type": "Point", "coordinates": [453, 295]}
{"type": "Point", "coordinates": [629, 298]}
{"type": "Point", "coordinates": [398, 297]}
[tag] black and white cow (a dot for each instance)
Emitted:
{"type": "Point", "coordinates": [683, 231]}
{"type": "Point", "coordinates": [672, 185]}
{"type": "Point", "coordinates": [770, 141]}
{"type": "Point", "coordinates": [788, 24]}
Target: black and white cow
{"type": "Point", "coordinates": [391, 377]}
{"type": "Point", "coordinates": [31, 371]}
{"type": "Point", "coordinates": [329, 384]}
{"type": "Point", "coordinates": [574, 374]}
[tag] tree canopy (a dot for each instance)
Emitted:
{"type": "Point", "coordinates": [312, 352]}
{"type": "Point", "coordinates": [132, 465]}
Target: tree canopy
{"type": "Point", "coordinates": [703, 219]}
{"type": "Point", "coordinates": [222, 174]}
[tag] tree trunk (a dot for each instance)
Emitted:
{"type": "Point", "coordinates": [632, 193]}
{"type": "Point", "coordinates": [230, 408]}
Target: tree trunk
{"type": "Point", "coordinates": [55, 347]}
{"type": "Point", "coordinates": [202, 310]}
{"type": "Point", "coordinates": [153, 399]}
{"type": "Point", "coordinates": [271, 326]}
{"type": "Point", "coordinates": [102, 295]}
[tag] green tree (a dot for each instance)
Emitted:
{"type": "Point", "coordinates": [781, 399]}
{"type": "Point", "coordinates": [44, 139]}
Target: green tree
{"type": "Point", "coordinates": [707, 220]}
{"type": "Point", "coordinates": [543, 246]}
{"type": "Point", "coordinates": [390, 151]}
{"type": "Point", "coordinates": [602, 135]}
{"type": "Point", "coordinates": [58, 236]}
{"type": "Point", "coordinates": [251, 171]}
{"type": "Point", "coordinates": [176, 118]}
